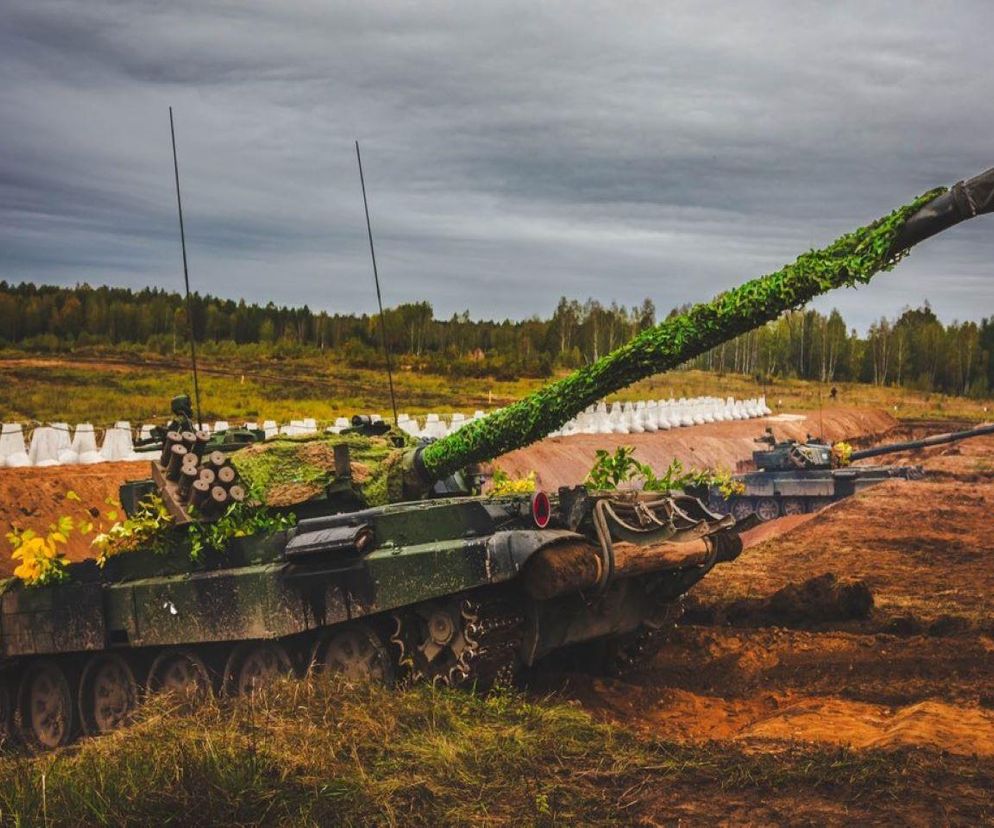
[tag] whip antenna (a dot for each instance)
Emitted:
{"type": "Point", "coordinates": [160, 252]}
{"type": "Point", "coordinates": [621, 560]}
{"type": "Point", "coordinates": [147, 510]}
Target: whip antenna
{"type": "Point", "coordinates": [376, 278]}
{"type": "Point", "coordinates": [186, 274]}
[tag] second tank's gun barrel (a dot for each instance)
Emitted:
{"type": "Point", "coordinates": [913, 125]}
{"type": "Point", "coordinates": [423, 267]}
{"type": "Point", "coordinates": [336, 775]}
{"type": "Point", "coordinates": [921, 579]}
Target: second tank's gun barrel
{"type": "Point", "coordinates": [926, 442]}
{"type": "Point", "coordinates": [852, 259]}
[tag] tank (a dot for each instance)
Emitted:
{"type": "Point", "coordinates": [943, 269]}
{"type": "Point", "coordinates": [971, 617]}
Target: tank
{"type": "Point", "coordinates": [396, 568]}
{"type": "Point", "coordinates": [228, 440]}
{"type": "Point", "coordinates": [793, 478]}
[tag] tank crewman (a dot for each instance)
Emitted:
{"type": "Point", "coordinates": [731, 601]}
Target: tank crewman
{"type": "Point", "coordinates": [767, 438]}
{"type": "Point", "coordinates": [182, 410]}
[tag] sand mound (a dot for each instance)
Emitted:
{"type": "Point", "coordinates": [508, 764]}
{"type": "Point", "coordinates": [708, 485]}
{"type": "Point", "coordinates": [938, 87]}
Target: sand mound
{"type": "Point", "coordinates": [956, 729]}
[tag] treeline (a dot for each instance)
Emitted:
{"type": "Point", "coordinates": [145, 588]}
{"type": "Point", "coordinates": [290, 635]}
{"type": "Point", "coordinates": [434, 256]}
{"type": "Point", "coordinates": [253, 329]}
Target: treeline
{"type": "Point", "coordinates": [915, 350]}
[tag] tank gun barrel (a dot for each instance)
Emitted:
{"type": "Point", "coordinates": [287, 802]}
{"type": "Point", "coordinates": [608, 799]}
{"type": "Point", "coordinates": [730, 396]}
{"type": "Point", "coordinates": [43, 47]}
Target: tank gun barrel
{"type": "Point", "coordinates": [852, 259]}
{"type": "Point", "coordinates": [962, 201]}
{"type": "Point", "coordinates": [934, 440]}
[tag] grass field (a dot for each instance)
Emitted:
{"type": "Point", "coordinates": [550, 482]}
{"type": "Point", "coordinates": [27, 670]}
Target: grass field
{"type": "Point", "coordinates": [103, 391]}
{"type": "Point", "coordinates": [320, 753]}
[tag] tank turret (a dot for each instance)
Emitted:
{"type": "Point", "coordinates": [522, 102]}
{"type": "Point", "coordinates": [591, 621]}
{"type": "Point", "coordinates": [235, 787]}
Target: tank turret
{"type": "Point", "coordinates": [451, 590]}
{"type": "Point", "coordinates": [790, 455]}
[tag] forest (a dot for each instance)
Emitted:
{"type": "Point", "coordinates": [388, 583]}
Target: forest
{"type": "Point", "coordinates": [914, 350]}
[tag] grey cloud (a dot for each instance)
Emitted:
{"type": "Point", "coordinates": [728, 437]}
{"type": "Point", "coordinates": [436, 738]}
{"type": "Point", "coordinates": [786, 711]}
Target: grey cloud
{"type": "Point", "coordinates": [514, 151]}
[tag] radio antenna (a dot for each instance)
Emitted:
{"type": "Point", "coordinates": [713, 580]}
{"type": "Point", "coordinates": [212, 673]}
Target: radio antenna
{"type": "Point", "coordinates": [376, 278]}
{"type": "Point", "coordinates": [186, 275]}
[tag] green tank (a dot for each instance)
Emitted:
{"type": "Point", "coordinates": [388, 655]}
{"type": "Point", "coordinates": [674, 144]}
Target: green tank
{"type": "Point", "coordinates": [395, 569]}
{"type": "Point", "coordinates": [793, 478]}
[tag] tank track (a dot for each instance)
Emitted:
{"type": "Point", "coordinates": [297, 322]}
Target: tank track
{"type": "Point", "coordinates": [458, 643]}
{"type": "Point", "coordinates": [635, 650]}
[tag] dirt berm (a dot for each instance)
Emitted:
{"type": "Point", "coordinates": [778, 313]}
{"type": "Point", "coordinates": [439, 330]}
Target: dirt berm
{"type": "Point", "coordinates": [565, 461]}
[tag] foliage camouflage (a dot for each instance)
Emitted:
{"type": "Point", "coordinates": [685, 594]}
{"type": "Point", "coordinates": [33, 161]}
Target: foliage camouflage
{"type": "Point", "coordinates": [851, 259]}
{"type": "Point", "coordinates": [621, 470]}
{"type": "Point", "coordinates": [289, 470]}
{"type": "Point", "coordinates": [240, 520]}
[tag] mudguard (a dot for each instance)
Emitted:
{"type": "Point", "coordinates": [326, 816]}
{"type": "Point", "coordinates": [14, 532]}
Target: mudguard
{"type": "Point", "coordinates": [508, 551]}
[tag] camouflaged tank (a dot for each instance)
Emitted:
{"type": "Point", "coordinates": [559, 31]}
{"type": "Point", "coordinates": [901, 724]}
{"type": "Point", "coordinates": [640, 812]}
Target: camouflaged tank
{"type": "Point", "coordinates": [395, 569]}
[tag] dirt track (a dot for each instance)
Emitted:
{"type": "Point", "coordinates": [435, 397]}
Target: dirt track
{"type": "Point", "coordinates": [915, 678]}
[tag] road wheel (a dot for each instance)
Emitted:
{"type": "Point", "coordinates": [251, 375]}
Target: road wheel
{"type": "Point", "coordinates": [742, 507]}
{"type": "Point", "coordinates": [354, 651]}
{"type": "Point", "coordinates": [717, 503]}
{"type": "Point", "coordinates": [793, 506]}
{"type": "Point", "coordinates": [254, 664]}
{"type": "Point", "coordinates": [179, 670]}
{"type": "Point", "coordinates": [767, 508]}
{"type": "Point", "coordinates": [45, 706]}
{"type": "Point", "coordinates": [819, 503]}
{"type": "Point", "coordinates": [108, 694]}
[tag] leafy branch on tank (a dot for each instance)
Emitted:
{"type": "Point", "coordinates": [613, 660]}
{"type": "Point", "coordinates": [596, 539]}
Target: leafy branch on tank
{"type": "Point", "coordinates": [621, 470]}
{"type": "Point", "coordinates": [245, 519]}
{"type": "Point", "coordinates": [842, 454]}
{"type": "Point", "coordinates": [42, 558]}
{"type": "Point", "coordinates": [149, 528]}
{"type": "Point", "coordinates": [501, 483]}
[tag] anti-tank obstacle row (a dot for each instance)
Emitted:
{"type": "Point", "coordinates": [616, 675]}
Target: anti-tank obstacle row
{"type": "Point", "coordinates": [618, 418]}
{"type": "Point", "coordinates": [56, 444]}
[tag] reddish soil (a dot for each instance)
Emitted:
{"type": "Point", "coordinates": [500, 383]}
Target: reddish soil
{"type": "Point", "coordinates": [914, 678]}
{"type": "Point", "coordinates": [34, 498]}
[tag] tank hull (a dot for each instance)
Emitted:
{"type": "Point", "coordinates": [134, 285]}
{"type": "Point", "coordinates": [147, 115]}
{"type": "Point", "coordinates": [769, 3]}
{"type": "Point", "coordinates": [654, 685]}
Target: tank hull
{"type": "Point", "coordinates": [773, 494]}
{"type": "Point", "coordinates": [441, 593]}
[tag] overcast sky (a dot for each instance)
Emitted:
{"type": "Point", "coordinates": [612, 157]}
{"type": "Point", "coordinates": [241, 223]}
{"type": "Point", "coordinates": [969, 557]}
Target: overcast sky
{"type": "Point", "coordinates": [514, 152]}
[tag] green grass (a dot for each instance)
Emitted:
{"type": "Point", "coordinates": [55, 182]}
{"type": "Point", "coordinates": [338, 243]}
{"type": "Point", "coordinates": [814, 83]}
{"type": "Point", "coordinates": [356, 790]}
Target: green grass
{"type": "Point", "coordinates": [55, 389]}
{"type": "Point", "coordinates": [320, 753]}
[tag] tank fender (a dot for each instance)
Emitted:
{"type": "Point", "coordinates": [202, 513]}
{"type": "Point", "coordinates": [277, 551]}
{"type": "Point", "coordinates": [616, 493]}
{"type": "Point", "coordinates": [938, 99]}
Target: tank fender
{"type": "Point", "coordinates": [508, 551]}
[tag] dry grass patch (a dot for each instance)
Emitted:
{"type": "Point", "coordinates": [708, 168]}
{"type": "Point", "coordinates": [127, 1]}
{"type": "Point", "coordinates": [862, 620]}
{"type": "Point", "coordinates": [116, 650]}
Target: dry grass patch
{"type": "Point", "coordinates": [321, 753]}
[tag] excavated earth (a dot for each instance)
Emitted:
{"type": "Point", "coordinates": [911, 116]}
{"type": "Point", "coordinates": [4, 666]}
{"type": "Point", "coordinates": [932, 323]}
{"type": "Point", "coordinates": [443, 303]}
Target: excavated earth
{"type": "Point", "coordinates": [891, 706]}
{"type": "Point", "coordinates": [909, 683]}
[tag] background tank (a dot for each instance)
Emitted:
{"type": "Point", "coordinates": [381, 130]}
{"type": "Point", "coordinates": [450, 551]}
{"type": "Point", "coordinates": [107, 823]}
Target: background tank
{"type": "Point", "coordinates": [448, 589]}
{"type": "Point", "coordinates": [793, 478]}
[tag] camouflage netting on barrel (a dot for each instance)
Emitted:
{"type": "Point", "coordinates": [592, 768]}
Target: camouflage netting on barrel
{"type": "Point", "coordinates": [287, 471]}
